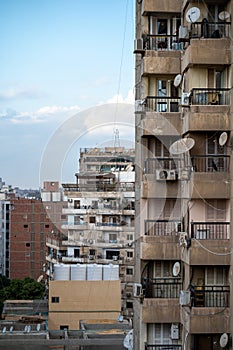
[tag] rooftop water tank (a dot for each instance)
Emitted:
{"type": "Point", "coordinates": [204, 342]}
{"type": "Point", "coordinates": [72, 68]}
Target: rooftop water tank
{"type": "Point", "coordinates": [78, 272]}
{"type": "Point", "coordinates": [94, 272]}
{"type": "Point", "coordinates": [110, 272]}
{"type": "Point", "coordinates": [61, 272]}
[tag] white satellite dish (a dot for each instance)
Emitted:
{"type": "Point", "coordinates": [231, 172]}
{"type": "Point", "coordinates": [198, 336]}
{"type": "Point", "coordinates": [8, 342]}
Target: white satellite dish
{"type": "Point", "coordinates": [223, 340]}
{"type": "Point", "coordinates": [128, 340]}
{"type": "Point", "coordinates": [193, 14]}
{"type": "Point", "coordinates": [224, 15]}
{"type": "Point", "coordinates": [176, 269]}
{"type": "Point", "coordinates": [182, 145]}
{"type": "Point", "coordinates": [222, 138]}
{"type": "Point", "coordinates": [177, 80]}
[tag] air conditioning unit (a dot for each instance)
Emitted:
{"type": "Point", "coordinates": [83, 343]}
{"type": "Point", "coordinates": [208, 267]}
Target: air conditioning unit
{"type": "Point", "coordinates": [91, 257]}
{"type": "Point", "coordinates": [139, 105]}
{"type": "Point", "coordinates": [185, 297]}
{"type": "Point", "coordinates": [184, 174]}
{"type": "Point", "coordinates": [137, 290]}
{"type": "Point", "coordinates": [183, 32]}
{"type": "Point", "coordinates": [138, 45]}
{"type": "Point", "coordinates": [185, 99]}
{"type": "Point", "coordinates": [174, 331]}
{"type": "Point", "coordinates": [115, 257]}
{"type": "Point", "coordinates": [165, 175]}
{"type": "Point", "coordinates": [183, 239]}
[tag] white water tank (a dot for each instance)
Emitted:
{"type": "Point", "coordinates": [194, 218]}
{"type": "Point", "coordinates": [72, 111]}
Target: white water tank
{"type": "Point", "coordinates": [110, 272]}
{"type": "Point", "coordinates": [94, 272]}
{"type": "Point", "coordinates": [78, 272]}
{"type": "Point", "coordinates": [61, 272]}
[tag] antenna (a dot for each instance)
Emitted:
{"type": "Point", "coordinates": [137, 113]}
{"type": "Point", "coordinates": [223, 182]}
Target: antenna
{"type": "Point", "coordinates": [177, 80]}
{"type": "Point", "coordinates": [128, 340]}
{"type": "Point", "coordinates": [182, 146]}
{"type": "Point", "coordinates": [224, 15]}
{"type": "Point", "coordinates": [176, 269]}
{"type": "Point", "coordinates": [116, 138]}
{"type": "Point", "coordinates": [193, 14]}
{"type": "Point", "coordinates": [223, 340]}
{"type": "Point", "coordinates": [222, 138]}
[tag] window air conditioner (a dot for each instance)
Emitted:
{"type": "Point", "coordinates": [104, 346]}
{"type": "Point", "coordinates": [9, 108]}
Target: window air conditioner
{"type": "Point", "coordinates": [137, 290]}
{"type": "Point", "coordinates": [115, 257]}
{"type": "Point", "coordinates": [138, 45]}
{"type": "Point", "coordinates": [183, 32]}
{"type": "Point", "coordinates": [174, 331]}
{"type": "Point", "coordinates": [184, 297]}
{"type": "Point", "coordinates": [165, 175]}
{"type": "Point", "coordinates": [185, 99]}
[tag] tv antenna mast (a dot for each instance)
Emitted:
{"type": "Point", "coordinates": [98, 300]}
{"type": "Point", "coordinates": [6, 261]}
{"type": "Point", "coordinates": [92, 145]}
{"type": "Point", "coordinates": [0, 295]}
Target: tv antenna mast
{"type": "Point", "coordinates": [116, 138]}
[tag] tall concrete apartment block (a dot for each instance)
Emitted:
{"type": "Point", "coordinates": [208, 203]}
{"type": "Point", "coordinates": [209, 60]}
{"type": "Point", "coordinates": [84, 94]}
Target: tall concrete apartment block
{"type": "Point", "coordinates": [100, 215]}
{"type": "Point", "coordinates": [183, 198]}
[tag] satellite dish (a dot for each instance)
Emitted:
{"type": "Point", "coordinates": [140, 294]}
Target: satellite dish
{"type": "Point", "coordinates": [177, 80]}
{"type": "Point", "coordinates": [176, 269]}
{"type": "Point", "coordinates": [39, 279]}
{"type": "Point", "coordinates": [128, 340]}
{"type": "Point", "coordinates": [182, 146]}
{"type": "Point", "coordinates": [223, 340]}
{"type": "Point", "coordinates": [193, 14]}
{"type": "Point", "coordinates": [222, 138]}
{"type": "Point", "coordinates": [224, 15]}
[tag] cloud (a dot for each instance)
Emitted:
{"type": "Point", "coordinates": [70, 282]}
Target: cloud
{"type": "Point", "coordinates": [42, 115]}
{"type": "Point", "coordinates": [20, 93]}
{"type": "Point", "coordinates": [118, 98]}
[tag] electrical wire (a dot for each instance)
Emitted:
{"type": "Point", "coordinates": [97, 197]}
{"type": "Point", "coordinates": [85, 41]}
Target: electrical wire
{"type": "Point", "coordinates": [210, 251]}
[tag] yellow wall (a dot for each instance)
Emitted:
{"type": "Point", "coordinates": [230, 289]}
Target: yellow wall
{"type": "Point", "coordinates": [80, 300]}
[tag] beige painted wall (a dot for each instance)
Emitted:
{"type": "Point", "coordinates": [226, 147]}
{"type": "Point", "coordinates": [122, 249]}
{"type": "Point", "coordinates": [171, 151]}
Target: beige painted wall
{"type": "Point", "coordinates": [80, 300]}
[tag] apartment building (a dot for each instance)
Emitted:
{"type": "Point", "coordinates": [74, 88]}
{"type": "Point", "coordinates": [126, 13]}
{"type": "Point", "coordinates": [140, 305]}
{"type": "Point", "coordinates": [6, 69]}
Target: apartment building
{"type": "Point", "coordinates": [183, 192]}
{"type": "Point", "coordinates": [100, 215]}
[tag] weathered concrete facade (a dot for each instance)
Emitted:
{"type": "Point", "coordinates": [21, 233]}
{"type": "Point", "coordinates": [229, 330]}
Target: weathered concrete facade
{"type": "Point", "coordinates": [183, 198]}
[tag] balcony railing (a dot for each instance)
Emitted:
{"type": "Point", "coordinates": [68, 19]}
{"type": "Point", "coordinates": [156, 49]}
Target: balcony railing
{"type": "Point", "coordinates": [210, 230]}
{"type": "Point", "coordinates": [162, 347]}
{"type": "Point", "coordinates": [162, 287]}
{"type": "Point", "coordinates": [210, 296]}
{"type": "Point", "coordinates": [213, 30]}
{"type": "Point", "coordinates": [159, 163]}
{"type": "Point", "coordinates": [210, 96]}
{"type": "Point", "coordinates": [161, 42]}
{"type": "Point", "coordinates": [100, 187]}
{"type": "Point", "coordinates": [161, 104]}
{"type": "Point", "coordinates": [210, 163]}
{"type": "Point", "coordinates": [162, 227]}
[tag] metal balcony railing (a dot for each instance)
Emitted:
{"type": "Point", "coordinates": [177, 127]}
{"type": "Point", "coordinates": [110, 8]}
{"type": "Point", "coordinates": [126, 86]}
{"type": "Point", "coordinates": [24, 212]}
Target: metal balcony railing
{"type": "Point", "coordinates": [210, 296]}
{"type": "Point", "coordinates": [210, 96]}
{"type": "Point", "coordinates": [162, 347]}
{"type": "Point", "coordinates": [161, 104]}
{"type": "Point", "coordinates": [159, 163]}
{"type": "Point", "coordinates": [210, 163]}
{"type": "Point", "coordinates": [210, 230]}
{"type": "Point", "coordinates": [162, 287]}
{"type": "Point", "coordinates": [162, 227]}
{"type": "Point", "coordinates": [161, 42]}
{"type": "Point", "coordinates": [213, 30]}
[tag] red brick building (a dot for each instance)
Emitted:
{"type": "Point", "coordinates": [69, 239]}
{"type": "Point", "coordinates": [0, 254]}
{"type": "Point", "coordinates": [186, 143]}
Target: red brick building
{"type": "Point", "coordinates": [29, 226]}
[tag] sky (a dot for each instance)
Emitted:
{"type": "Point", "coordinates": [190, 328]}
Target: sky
{"type": "Point", "coordinates": [61, 63]}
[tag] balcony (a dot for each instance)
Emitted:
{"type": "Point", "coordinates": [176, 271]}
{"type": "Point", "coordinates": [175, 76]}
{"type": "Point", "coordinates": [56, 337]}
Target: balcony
{"type": "Point", "coordinates": [162, 287]}
{"type": "Point", "coordinates": [162, 347]}
{"type": "Point", "coordinates": [161, 42]}
{"type": "Point", "coordinates": [162, 227]}
{"type": "Point", "coordinates": [161, 104]}
{"type": "Point", "coordinates": [173, 6]}
{"type": "Point", "coordinates": [210, 296]}
{"type": "Point", "coordinates": [210, 230]}
{"type": "Point", "coordinates": [210, 176]}
{"type": "Point", "coordinates": [163, 60]}
{"type": "Point", "coordinates": [213, 30]}
{"type": "Point", "coordinates": [210, 96]}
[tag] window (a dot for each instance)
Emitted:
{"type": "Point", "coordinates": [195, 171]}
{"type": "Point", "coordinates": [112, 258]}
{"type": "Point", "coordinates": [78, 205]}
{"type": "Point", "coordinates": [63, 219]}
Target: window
{"type": "Point", "coordinates": [55, 299]}
{"type": "Point", "coordinates": [130, 254]}
{"type": "Point", "coordinates": [112, 253]}
{"type": "Point", "coordinates": [129, 305]}
{"type": "Point", "coordinates": [92, 220]}
{"type": "Point", "coordinates": [46, 225]}
{"type": "Point", "coordinates": [25, 226]}
{"type": "Point", "coordinates": [112, 238]}
{"type": "Point", "coordinates": [129, 271]}
{"type": "Point", "coordinates": [129, 237]}
{"type": "Point", "coordinates": [76, 253]}
{"type": "Point", "coordinates": [215, 210]}
{"type": "Point", "coordinates": [27, 244]}
{"type": "Point", "coordinates": [163, 268]}
{"type": "Point", "coordinates": [64, 328]}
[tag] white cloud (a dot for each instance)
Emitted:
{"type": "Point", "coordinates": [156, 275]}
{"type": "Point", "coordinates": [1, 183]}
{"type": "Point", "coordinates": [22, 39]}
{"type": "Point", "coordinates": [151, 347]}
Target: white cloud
{"type": "Point", "coordinates": [19, 93]}
{"type": "Point", "coordinates": [118, 98]}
